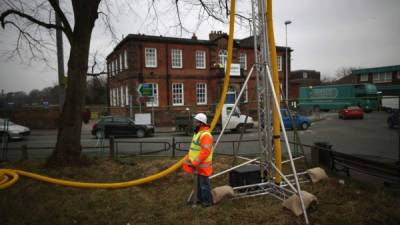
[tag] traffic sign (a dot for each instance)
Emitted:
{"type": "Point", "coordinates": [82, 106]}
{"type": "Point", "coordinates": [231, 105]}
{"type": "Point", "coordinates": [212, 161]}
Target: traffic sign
{"type": "Point", "coordinates": [145, 89]}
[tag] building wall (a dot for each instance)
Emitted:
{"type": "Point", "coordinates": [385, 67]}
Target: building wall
{"type": "Point", "coordinates": [164, 75]}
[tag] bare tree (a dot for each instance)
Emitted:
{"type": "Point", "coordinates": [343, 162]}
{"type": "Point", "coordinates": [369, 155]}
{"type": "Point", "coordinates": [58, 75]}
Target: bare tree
{"type": "Point", "coordinates": [343, 71]}
{"type": "Point", "coordinates": [34, 22]}
{"type": "Point", "coordinates": [22, 16]}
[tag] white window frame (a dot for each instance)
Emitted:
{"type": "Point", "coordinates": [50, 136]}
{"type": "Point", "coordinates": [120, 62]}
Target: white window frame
{"type": "Point", "coordinates": [115, 97]}
{"type": "Point", "coordinates": [155, 97]}
{"type": "Point", "coordinates": [178, 95]}
{"type": "Point", "coordinates": [201, 89]}
{"type": "Point", "coordinates": [111, 97]}
{"type": "Point", "coordinates": [122, 95]}
{"type": "Point", "coordinates": [176, 58]}
{"type": "Point", "coordinates": [121, 62]}
{"type": "Point", "coordinates": [243, 61]}
{"type": "Point", "coordinates": [223, 57]}
{"type": "Point", "coordinates": [112, 68]}
{"type": "Point", "coordinates": [150, 58]}
{"type": "Point", "coordinates": [363, 77]}
{"type": "Point", "coordinates": [200, 59]}
{"type": "Point", "coordinates": [126, 59]}
{"type": "Point", "coordinates": [279, 59]}
{"type": "Point", "coordinates": [127, 95]}
{"type": "Point", "coordinates": [384, 77]}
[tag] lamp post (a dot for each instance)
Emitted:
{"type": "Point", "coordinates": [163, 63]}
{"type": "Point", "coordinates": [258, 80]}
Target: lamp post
{"type": "Point", "coordinates": [287, 22]}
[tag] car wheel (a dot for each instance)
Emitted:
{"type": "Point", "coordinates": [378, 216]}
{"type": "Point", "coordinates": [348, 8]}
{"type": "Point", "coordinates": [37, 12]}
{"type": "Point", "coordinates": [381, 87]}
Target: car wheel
{"type": "Point", "coordinates": [140, 133]}
{"type": "Point", "coordinates": [304, 126]}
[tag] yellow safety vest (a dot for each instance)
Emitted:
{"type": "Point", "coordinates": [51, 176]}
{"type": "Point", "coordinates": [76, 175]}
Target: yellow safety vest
{"type": "Point", "coordinates": [195, 148]}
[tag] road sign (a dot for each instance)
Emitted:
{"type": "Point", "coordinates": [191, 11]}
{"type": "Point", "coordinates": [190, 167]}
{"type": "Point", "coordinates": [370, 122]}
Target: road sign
{"type": "Point", "coordinates": [145, 89]}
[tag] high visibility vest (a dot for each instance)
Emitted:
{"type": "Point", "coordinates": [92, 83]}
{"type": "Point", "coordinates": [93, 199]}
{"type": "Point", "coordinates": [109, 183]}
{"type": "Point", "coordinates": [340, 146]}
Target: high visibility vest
{"type": "Point", "coordinates": [204, 167]}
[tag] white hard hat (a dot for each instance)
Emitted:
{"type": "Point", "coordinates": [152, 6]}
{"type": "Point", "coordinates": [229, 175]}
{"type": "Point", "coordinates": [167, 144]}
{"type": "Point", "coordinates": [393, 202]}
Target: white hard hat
{"type": "Point", "coordinates": [201, 117]}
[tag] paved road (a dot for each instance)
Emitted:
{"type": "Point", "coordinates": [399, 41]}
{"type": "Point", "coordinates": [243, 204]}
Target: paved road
{"type": "Point", "coordinates": [369, 137]}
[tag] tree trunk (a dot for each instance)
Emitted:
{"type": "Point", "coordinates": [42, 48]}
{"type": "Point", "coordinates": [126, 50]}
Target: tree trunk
{"type": "Point", "coordinates": [68, 148]}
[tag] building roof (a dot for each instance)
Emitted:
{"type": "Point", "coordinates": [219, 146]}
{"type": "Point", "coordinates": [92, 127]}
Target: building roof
{"type": "Point", "coordinates": [376, 70]}
{"type": "Point", "coordinates": [245, 43]}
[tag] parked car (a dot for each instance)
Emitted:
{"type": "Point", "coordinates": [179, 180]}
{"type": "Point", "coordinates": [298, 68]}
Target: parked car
{"type": "Point", "coordinates": [14, 131]}
{"type": "Point", "coordinates": [302, 122]}
{"type": "Point", "coordinates": [393, 119]}
{"type": "Point", "coordinates": [120, 126]}
{"type": "Point", "coordinates": [353, 112]}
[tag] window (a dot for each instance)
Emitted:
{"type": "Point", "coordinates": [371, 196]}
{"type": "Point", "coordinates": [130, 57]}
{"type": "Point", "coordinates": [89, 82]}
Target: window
{"type": "Point", "coordinates": [177, 94]}
{"type": "Point", "coordinates": [245, 95]}
{"type": "Point", "coordinates": [398, 75]}
{"type": "Point", "coordinates": [279, 59]}
{"type": "Point", "coordinates": [109, 69]}
{"type": "Point", "coordinates": [364, 77]}
{"type": "Point", "coordinates": [127, 95]}
{"type": "Point", "coordinates": [153, 102]}
{"type": "Point", "coordinates": [122, 96]}
{"type": "Point", "coordinates": [111, 98]}
{"type": "Point", "coordinates": [126, 59]}
{"type": "Point", "coordinates": [383, 77]}
{"type": "Point", "coordinates": [176, 58]}
{"type": "Point", "coordinates": [243, 61]}
{"type": "Point", "coordinates": [305, 75]}
{"type": "Point", "coordinates": [151, 57]}
{"type": "Point", "coordinates": [201, 93]}
{"type": "Point", "coordinates": [200, 59]}
{"type": "Point", "coordinates": [115, 67]}
{"type": "Point", "coordinates": [223, 55]}
{"type": "Point", "coordinates": [116, 97]}
{"type": "Point", "coordinates": [120, 63]}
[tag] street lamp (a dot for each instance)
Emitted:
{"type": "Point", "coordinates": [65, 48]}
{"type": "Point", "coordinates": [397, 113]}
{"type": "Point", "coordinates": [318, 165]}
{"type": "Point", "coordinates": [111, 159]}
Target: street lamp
{"type": "Point", "coordinates": [287, 22]}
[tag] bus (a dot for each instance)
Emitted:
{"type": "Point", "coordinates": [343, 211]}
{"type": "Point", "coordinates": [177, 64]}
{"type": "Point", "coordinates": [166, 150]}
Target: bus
{"type": "Point", "coordinates": [330, 97]}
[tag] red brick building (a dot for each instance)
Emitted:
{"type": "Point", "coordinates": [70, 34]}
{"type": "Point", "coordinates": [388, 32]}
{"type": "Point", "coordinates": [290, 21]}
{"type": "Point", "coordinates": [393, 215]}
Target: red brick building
{"type": "Point", "coordinates": [186, 74]}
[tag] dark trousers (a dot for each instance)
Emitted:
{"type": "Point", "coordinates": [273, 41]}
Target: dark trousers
{"type": "Point", "coordinates": [204, 190]}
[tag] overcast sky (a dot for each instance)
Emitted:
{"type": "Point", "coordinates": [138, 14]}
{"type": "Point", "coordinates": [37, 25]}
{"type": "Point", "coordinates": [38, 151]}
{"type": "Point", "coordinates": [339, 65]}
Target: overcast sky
{"type": "Point", "coordinates": [325, 36]}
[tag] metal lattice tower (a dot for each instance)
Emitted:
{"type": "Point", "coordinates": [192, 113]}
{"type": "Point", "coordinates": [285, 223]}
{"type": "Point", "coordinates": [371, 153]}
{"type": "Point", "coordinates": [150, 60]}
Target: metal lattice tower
{"type": "Point", "coordinates": [264, 101]}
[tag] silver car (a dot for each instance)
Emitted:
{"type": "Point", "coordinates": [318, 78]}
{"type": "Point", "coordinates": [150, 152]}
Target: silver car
{"type": "Point", "coordinates": [14, 131]}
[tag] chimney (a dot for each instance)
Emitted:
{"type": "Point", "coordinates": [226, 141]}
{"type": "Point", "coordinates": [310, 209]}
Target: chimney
{"type": "Point", "coordinates": [194, 37]}
{"type": "Point", "coordinates": [215, 34]}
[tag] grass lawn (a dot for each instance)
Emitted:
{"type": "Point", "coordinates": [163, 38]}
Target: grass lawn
{"type": "Point", "coordinates": [164, 201]}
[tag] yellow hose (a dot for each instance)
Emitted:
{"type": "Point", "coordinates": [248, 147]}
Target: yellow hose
{"type": "Point", "coordinates": [6, 174]}
{"type": "Point", "coordinates": [275, 78]}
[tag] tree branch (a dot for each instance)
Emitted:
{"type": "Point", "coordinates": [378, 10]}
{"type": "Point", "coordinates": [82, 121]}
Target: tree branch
{"type": "Point", "coordinates": [28, 17]}
{"type": "Point", "coordinates": [67, 27]}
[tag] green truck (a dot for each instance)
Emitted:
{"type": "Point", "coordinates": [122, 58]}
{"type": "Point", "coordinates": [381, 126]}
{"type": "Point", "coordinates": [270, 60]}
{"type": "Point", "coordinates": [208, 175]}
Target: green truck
{"type": "Point", "coordinates": [328, 97]}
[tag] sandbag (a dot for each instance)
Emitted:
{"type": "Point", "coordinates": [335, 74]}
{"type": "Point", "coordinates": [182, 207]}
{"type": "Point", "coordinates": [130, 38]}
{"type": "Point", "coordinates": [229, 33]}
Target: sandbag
{"type": "Point", "coordinates": [294, 204]}
{"type": "Point", "coordinates": [317, 174]}
{"type": "Point", "coordinates": [223, 192]}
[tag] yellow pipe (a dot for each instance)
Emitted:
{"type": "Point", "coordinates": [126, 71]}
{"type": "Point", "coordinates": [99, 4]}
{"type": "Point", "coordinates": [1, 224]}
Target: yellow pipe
{"type": "Point", "coordinates": [275, 79]}
{"type": "Point", "coordinates": [228, 67]}
{"type": "Point", "coordinates": [14, 174]}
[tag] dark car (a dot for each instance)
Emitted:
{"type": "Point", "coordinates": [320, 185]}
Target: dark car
{"type": "Point", "coordinates": [120, 126]}
{"type": "Point", "coordinates": [393, 119]}
{"type": "Point", "coordinates": [351, 112]}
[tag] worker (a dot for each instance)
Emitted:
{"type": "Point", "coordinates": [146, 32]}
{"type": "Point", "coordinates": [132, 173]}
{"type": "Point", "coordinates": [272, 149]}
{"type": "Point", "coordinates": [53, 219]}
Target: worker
{"type": "Point", "coordinates": [200, 159]}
